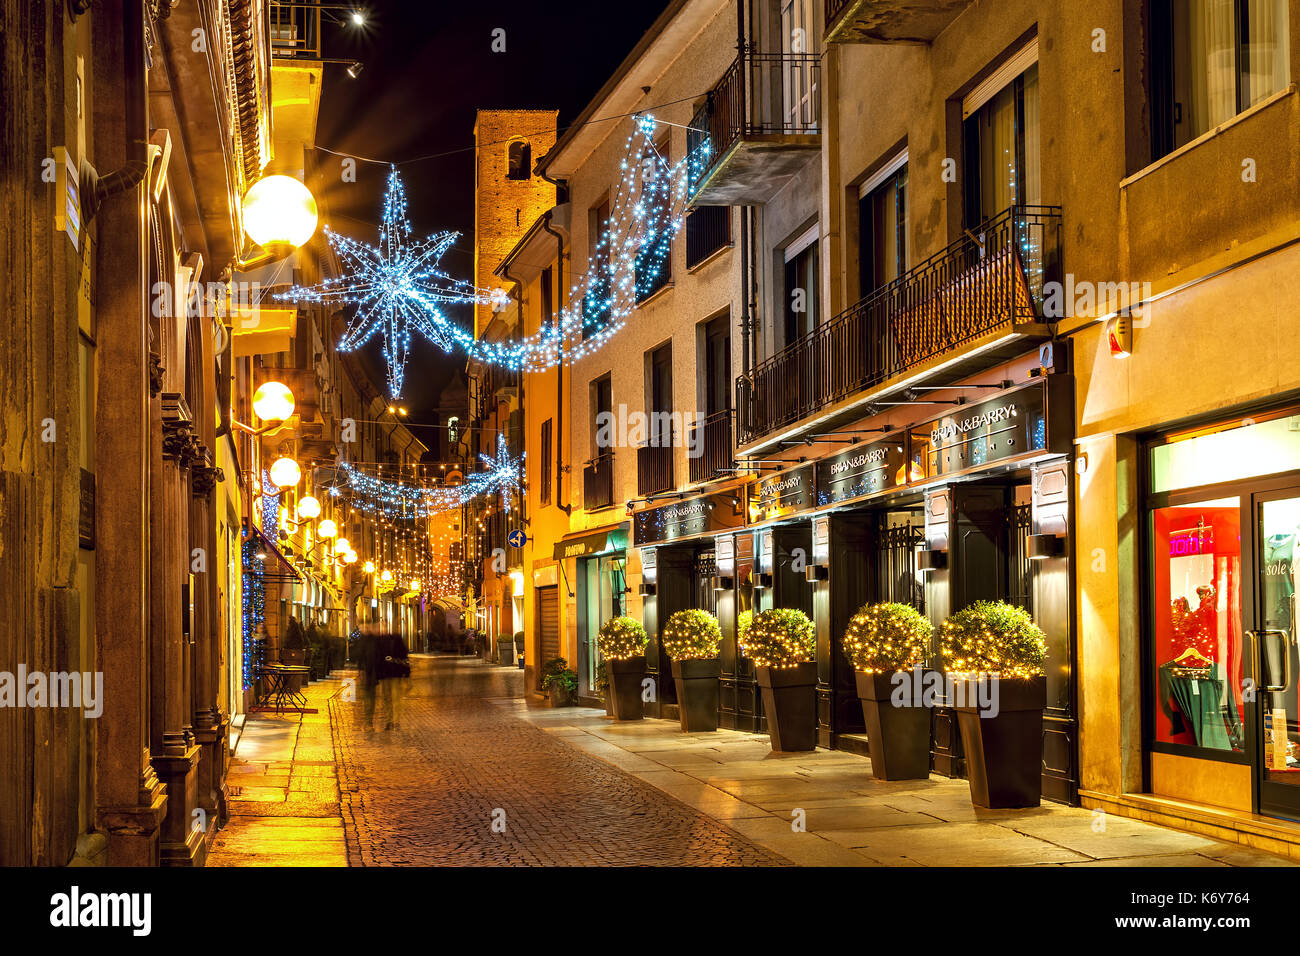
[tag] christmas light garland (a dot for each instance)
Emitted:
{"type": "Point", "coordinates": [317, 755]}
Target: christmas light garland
{"type": "Point", "coordinates": [397, 287]}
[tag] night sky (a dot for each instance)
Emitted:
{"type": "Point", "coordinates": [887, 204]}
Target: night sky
{"type": "Point", "coordinates": [428, 68]}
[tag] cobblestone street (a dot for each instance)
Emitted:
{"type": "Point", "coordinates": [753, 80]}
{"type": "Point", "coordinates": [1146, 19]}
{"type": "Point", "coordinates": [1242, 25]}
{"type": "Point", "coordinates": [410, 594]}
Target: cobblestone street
{"type": "Point", "coordinates": [429, 791]}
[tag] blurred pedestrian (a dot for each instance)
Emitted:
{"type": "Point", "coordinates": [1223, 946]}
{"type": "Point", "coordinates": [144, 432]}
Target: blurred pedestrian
{"type": "Point", "coordinates": [392, 667]}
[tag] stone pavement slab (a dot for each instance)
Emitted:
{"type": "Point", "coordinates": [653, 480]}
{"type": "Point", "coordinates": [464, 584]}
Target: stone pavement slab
{"type": "Point", "coordinates": [826, 808]}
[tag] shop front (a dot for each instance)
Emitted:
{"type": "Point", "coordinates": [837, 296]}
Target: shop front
{"type": "Point", "coordinates": [974, 504]}
{"type": "Point", "coordinates": [1220, 712]}
{"type": "Point", "coordinates": [598, 585]}
{"type": "Point", "coordinates": [688, 560]}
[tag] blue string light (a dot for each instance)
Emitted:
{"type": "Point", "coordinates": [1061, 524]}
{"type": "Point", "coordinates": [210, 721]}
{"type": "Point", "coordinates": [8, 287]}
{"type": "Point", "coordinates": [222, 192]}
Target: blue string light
{"type": "Point", "coordinates": [397, 287]}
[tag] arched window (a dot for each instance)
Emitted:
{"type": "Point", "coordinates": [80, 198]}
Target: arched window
{"type": "Point", "coordinates": [521, 160]}
{"type": "Point", "coordinates": [453, 431]}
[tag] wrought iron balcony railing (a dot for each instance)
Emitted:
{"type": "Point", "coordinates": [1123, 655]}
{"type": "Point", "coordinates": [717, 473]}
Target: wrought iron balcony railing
{"type": "Point", "coordinates": [761, 95]}
{"type": "Point", "coordinates": [598, 482]}
{"type": "Point", "coordinates": [712, 438]}
{"type": "Point", "coordinates": [990, 279]}
{"type": "Point", "coordinates": [654, 469]}
{"type": "Point", "coordinates": [708, 229]}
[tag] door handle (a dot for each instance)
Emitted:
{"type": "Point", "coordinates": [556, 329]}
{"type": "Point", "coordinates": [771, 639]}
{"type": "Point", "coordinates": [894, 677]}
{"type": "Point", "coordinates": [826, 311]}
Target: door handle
{"type": "Point", "coordinates": [1257, 637]}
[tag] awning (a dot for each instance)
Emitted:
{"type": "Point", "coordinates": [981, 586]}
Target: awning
{"type": "Point", "coordinates": [584, 543]}
{"type": "Point", "coordinates": [269, 545]}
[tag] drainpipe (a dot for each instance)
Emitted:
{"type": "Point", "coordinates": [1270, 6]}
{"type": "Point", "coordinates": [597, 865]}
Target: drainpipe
{"type": "Point", "coordinates": [95, 189]}
{"type": "Point", "coordinates": [559, 364]}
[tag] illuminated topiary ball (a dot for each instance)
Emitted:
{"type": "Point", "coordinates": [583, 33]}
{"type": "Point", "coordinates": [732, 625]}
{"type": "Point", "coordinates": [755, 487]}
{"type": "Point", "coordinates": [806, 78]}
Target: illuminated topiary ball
{"type": "Point", "coordinates": [780, 638]}
{"type": "Point", "coordinates": [621, 638]}
{"type": "Point", "coordinates": [882, 638]}
{"type": "Point", "coordinates": [743, 620]}
{"type": "Point", "coordinates": [691, 635]}
{"type": "Point", "coordinates": [993, 637]}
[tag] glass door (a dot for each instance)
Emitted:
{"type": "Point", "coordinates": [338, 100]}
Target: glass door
{"type": "Point", "coordinates": [1273, 648]}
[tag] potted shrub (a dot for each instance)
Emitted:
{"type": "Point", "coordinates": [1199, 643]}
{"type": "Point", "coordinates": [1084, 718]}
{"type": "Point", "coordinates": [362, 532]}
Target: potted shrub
{"type": "Point", "coordinates": [993, 655]}
{"type": "Point", "coordinates": [560, 683]}
{"type": "Point", "coordinates": [602, 688]}
{"type": "Point", "coordinates": [691, 638]}
{"type": "Point", "coordinates": [884, 641]}
{"type": "Point", "coordinates": [519, 649]}
{"type": "Point", "coordinates": [782, 644]}
{"type": "Point", "coordinates": [621, 642]}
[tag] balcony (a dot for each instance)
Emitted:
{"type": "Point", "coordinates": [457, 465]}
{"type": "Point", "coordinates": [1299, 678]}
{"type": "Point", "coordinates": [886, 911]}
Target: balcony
{"type": "Point", "coordinates": [889, 21]}
{"type": "Point", "coordinates": [654, 469]}
{"type": "Point", "coordinates": [761, 120]}
{"type": "Point", "coordinates": [598, 482]}
{"type": "Point", "coordinates": [708, 229]}
{"type": "Point", "coordinates": [975, 303]}
{"type": "Point", "coordinates": [712, 439]}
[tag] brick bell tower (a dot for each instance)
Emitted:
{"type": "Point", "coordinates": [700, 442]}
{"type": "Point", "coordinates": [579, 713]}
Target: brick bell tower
{"type": "Point", "coordinates": [508, 198]}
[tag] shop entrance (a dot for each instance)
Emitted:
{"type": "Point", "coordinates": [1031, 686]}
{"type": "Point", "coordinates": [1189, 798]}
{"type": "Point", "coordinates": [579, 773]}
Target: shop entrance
{"type": "Point", "coordinates": [602, 589]}
{"type": "Point", "coordinates": [1272, 645]}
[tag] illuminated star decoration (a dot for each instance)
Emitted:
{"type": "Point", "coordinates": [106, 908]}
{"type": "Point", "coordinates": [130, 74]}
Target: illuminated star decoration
{"type": "Point", "coordinates": [395, 287]}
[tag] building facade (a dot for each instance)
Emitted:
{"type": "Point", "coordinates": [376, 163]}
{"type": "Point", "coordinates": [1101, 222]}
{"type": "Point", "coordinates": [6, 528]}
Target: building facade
{"type": "Point", "coordinates": [973, 340]}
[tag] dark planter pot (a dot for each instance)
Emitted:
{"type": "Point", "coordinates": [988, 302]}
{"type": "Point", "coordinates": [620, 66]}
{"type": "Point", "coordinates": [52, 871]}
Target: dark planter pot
{"type": "Point", "coordinates": [1004, 753]}
{"type": "Point", "coordinates": [625, 687]}
{"type": "Point", "coordinates": [790, 703]}
{"type": "Point", "coordinates": [560, 696]}
{"type": "Point", "coordinates": [898, 737]}
{"type": "Point", "coordinates": [697, 694]}
{"type": "Point", "coordinates": [506, 653]}
{"type": "Point", "coordinates": [294, 655]}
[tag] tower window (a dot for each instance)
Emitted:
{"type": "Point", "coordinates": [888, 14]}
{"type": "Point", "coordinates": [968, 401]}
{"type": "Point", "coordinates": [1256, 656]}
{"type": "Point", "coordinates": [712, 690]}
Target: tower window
{"type": "Point", "coordinates": [521, 160]}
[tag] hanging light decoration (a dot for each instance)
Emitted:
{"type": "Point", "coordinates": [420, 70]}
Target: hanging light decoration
{"type": "Point", "coordinates": [397, 287]}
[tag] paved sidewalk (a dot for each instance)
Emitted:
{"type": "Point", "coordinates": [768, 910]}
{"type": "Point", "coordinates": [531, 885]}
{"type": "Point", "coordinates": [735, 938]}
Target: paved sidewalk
{"type": "Point", "coordinates": [853, 819]}
{"type": "Point", "coordinates": [284, 797]}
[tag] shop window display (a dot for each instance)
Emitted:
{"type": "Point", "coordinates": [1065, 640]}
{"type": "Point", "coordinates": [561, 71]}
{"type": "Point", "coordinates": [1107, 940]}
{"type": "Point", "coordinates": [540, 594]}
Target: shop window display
{"type": "Point", "coordinates": [1196, 627]}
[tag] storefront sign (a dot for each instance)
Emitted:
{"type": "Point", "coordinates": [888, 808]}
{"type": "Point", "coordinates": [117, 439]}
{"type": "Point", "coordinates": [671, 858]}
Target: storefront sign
{"type": "Point", "coordinates": [861, 471]}
{"type": "Point", "coordinates": [786, 493]}
{"type": "Point", "coordinates": [683, 519]}
{"type": "Point", "coordinates": [1012, 424]}
{"type": "Point", "coordinates": [611, 539]}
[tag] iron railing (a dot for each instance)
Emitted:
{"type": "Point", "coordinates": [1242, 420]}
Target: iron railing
{"type": "Point", "coordinates": [708, 229]}
{"type": "Point", "coordinates": [295, 29]}
{"type": "Point", "coordinates": [598, 482]}
{"type": "Point", "coordinates": [761, 94]}
{"type": "Point", "coordinates": [711, 437]}
{"type": "Point", "coordinates": [991, 278]}
{"type": "Point", "coordinates": [654, 469]}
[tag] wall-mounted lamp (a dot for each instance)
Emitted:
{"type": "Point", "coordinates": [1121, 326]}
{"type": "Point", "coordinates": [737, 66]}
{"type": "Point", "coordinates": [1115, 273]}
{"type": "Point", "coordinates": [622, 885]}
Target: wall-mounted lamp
{"type": "Point", "coordinates": [1044, 546]}
{"type": "Point", "coordinates": [723, 582]}
{"type": "Point", "coordinates": [763, 581]}
{"type": "Point", "coordinates": [1119, 336]}
{"type": "Point", "coordinates": [931, 559]}
{"type": "Point", "coordinates": [647, 588]}
{"type": "Point", "coordinates": [817, 572]}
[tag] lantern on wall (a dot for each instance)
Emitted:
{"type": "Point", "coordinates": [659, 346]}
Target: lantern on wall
{"type": "Point", "coordinates": [279, 211]}
{"type": "Point", "coordinates": [273, 402]}
{"type": "Point", "coordinates": [308, 508]}
{"type": "Point", "coordinates": [285, 473]}
{"type": "Point", "coordinates": [327, 528]}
